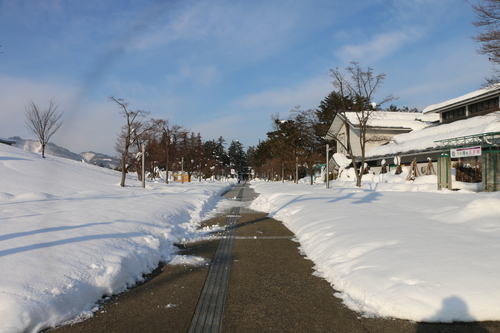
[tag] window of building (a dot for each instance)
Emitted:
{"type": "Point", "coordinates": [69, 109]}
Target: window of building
{"type": "Point", "coordinates": [489, 104]}
{"type": "Point", "coordinates": [452, 114]}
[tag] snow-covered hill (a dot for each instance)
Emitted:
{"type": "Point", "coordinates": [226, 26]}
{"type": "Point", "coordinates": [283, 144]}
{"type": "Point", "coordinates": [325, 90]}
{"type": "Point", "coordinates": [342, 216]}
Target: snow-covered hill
{"type": "Point", "coordinates": [101, 160]}
{"type": "Point", "coordinates": [98, 159]}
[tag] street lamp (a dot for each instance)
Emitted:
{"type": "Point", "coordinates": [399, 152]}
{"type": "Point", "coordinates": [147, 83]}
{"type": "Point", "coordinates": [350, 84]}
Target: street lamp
{"type": "Point", "coordinates": [296, 169]}
{"type": "Point", "coordinates": [143, 167]}
{"type": "Point", "coordinates": [327, 171]}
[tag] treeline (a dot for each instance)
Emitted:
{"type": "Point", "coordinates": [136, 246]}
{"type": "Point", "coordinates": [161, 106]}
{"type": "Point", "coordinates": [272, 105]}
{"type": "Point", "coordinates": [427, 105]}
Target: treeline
{"type": "Point", "coordinates": [296, 145]}
{"type": "Point", "coordinates": [294, 148]}
{"type": "Point", "coordinates": [172, 147]}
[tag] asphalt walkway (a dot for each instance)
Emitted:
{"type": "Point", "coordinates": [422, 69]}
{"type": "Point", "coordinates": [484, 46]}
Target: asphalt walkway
{"type": "Point", "coordinates": [258, 281]}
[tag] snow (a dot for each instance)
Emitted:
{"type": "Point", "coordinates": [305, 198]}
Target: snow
{"type": "Point", "coordinates": [473, 94]}
{"type": "Point", "coordinates": [396, 248]}
{"type": "Point", "coordinates": [69, 234]}
{"type": "Point", "coordinates": [385, 119]}
{"type": "Point", "coordinates": [341, 160]}
{"type": "Point", "coordinates": [424, 139]}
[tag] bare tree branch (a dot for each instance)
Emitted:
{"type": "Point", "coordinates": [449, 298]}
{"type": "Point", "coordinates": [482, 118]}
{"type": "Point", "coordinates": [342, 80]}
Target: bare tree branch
{"type": "Point", "coordinates": [358, 89]}
{"type": "Point", "coordinates": [488, 21]}
{"type": "Point", "coordinates": [43, 123]}
{"type": "Point", "coordinates": [130, 131]}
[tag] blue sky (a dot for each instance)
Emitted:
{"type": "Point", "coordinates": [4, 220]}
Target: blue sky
{"type": "Point", "coordinates": [221, 68]}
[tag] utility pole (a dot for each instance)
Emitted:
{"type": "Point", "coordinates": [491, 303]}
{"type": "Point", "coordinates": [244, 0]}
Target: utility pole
{"type": "Point", "coordinates": [282, 172]}
{"type": "Point", "coordinates": [296, 169]}
{"type": "Point", "coordinates": [182, 170]}
{"type": "Point", "coordinates": [327, 171]}
{"type": "Point", "coordinates": [166, 166]}
{"type": "Point", "coordinates": [143, 168]}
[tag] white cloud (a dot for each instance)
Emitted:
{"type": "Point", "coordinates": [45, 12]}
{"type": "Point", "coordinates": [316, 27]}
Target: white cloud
{"type": "Point", "coordinates": [233, 31]}
{"type": "Point", "coordinates": [308, 95]}
{"type": "Point", "coordinates": [378, 47]}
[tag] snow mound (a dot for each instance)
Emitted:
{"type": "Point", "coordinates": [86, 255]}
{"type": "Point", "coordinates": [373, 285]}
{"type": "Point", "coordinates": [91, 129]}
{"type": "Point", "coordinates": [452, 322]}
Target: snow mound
{"type": "Point", "coordinates": [397, 249]}
{"type": "Point", "coordinates": [76, 235]}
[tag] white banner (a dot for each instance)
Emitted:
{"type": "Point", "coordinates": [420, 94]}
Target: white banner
{"type": "Point", "coordinates": [465, 152]}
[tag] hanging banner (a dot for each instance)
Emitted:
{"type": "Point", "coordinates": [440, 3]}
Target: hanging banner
{"type": "Point", "coordinates": [465, 152]}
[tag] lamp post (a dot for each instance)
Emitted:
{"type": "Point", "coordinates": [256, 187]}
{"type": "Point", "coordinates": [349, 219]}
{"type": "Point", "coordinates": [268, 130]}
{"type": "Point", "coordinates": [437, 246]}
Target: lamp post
{"type": "Point", "coordinates": [192, 169]}
{"type": "Point", "coordinates": [296, 169]}
{"type": "Point", "coordinates": [182, 170]}
{"type": "Point", "coordinates": [143, 168]}
{"type": "Point", "coordinates": [327, 171]}
{"type": "Point", "coordinates": [282, 172]}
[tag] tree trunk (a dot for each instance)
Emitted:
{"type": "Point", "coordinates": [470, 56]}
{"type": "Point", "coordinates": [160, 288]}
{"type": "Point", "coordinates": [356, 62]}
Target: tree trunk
{"type": "Point", "coordinates": [124, 170]}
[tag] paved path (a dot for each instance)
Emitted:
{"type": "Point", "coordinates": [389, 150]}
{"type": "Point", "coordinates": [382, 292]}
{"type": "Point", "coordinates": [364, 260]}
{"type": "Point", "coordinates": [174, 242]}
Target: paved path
{"type": "Point", "coordinates": [262, 284]}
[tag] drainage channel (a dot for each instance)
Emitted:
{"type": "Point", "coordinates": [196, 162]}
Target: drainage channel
{"type": "Point", "coordinates": [210, 308]}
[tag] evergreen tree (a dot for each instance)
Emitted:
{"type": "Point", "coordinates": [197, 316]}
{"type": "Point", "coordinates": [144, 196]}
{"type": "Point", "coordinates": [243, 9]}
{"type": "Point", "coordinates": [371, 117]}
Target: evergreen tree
{"type": "Point", "coordinates": [237, 156]}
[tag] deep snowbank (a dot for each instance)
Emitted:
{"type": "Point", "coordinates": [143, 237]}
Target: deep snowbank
{"type": "Point", "coordinates": [69, 234]}
{"type": "Point", "coordinates": [397, 248]}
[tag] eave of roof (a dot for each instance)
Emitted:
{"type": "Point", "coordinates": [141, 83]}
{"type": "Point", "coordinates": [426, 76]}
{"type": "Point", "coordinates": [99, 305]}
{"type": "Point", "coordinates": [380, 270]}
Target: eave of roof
{"type": "Point", "coordinates": [463, 100]}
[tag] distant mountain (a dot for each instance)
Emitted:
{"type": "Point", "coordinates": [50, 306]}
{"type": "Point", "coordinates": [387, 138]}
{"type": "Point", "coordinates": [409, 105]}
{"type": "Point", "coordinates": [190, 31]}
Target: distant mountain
{"type": "Point", "coordinates": [99, 159]}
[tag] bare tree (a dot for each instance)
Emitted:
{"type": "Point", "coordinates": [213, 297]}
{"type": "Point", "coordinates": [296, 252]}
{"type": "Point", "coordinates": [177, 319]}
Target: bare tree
{"type": "Point", "coordinates": [130, 132]}
{"type": "Point", "coordinates": [43, 123]}
{"type": "Point", "coordinates": [167, 135]}
{"type": "Point", "coordinates": [358, 88]}
{"type": "Point", "coordinates": [488, 19]}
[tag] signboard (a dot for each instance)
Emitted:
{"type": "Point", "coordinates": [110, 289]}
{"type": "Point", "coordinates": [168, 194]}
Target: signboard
{"type": "Point", "coordinates": [465, 152]}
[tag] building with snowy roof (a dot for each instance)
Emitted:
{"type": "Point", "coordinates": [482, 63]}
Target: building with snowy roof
{"type": "Point", "coordinates": [468, 131]}
{"type": "Point", "coordinates": [382, 126]}
{"type": "Point", "coordinates": [479, 102]}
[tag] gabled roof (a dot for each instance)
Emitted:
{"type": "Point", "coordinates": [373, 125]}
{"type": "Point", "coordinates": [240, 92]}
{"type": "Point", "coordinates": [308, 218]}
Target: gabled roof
{"type": "Point", "coordinates": [385, 120]}
{"type": "Point", "coordinates": [423, 140]}
{"type": "Point", "coordinates": [471, 97]}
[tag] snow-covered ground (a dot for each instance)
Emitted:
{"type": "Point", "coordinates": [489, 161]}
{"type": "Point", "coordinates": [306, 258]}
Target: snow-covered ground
{"type": "Point", "coordinates": [69, 234]}
{"type": "Point", "coordinates": [397, 248]}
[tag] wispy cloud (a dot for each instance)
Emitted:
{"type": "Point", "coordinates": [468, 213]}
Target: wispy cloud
{"type": "Point", "coordinates": [404, 22]}
{"type": "Point", "coordinates": [378, 47]}
{"type": "Point", "coordinates": [233, 31]}
{"type": "Point", "coordinates": [307, 94]}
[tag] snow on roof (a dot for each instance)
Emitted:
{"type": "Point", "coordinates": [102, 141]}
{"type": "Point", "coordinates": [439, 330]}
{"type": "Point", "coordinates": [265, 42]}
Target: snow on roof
{"type": "Point", "coordinates": [388, 119]}
{"type": "Point", "coordinates": [424, 139]}
{"type": "Point", "coordinates": [484, 91]}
